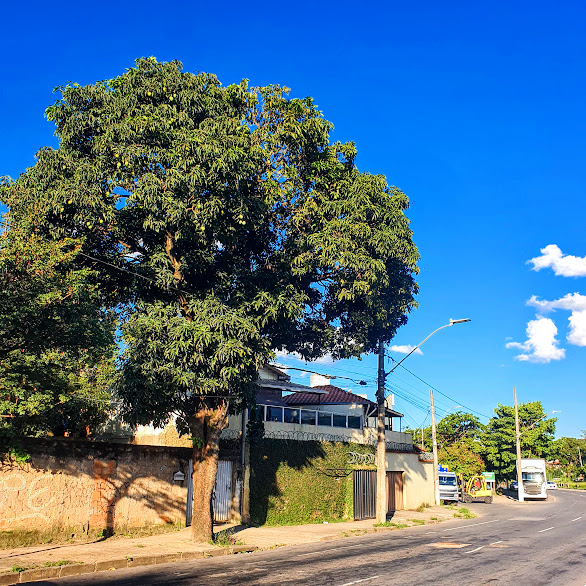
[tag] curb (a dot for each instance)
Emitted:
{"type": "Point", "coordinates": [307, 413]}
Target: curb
{"type": "Point", "coordinates": [35, 574]}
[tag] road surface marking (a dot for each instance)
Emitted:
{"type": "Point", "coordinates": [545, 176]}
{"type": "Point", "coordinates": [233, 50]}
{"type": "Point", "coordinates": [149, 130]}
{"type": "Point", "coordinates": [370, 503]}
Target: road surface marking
{"type": "Point", "coordinates": [359, 581]}
{"type": "Point", "coordinates": [576, 519]}
{"type": "Point", "coordinates": [495, 542]}
{"type": "Point", "coordinates": [545, 530]}
{"type": "Point", "coordinates": [473, 550]}
{"type": "Point", "coordinates": [430, 533]}
{"type": "Point", "coordinates": [472, 525]}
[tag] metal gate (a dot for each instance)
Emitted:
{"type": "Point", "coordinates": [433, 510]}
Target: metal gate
{"type": "Point", "coordinates": [222, 497]}
{"type": "Point", "coordinates": [364, 494]}
{"type": "Point", "coordinates": [394, 491]}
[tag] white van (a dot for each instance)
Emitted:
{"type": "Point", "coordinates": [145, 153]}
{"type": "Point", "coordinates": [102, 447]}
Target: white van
{"type": "Point", "coordinates": [448, 486]}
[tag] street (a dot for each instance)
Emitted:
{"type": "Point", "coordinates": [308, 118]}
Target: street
{"type": "Point", "coordinates": [509, 543]}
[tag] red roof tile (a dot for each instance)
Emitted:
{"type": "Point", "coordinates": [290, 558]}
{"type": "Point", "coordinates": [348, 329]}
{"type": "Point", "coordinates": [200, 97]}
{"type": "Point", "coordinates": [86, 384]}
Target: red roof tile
{"type": "Point", "coordinates": [335, 395]}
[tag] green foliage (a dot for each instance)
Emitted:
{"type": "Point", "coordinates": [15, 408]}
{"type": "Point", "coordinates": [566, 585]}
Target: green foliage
{"type": "Point", "coordinates": [395, 525]}
{"type": "Point", "coordinates": [457, 428]}
{"type": "Point", "coordinates": [461, 459]}
{"type": "Point", "coordinates": [56, 343]}
{"type": "Point", "coordinates": [226, 539]}
{"type": "Point", "coordinates": [568, 451]}
{"type": "Point", "coordinates": [458, 442]}
{"type": "Point", "coordinates": [296, 482]}
{"type": "Point", "coordinates": [223, 225]}
{"type": "Point", "coordinates": [465, 513]}
{"type": "Point", "coordinates": [215, 200]}
{"type": "Point", "coordinates": [498, 440]}
{"type": "Point", "coordinates": [19, 569]}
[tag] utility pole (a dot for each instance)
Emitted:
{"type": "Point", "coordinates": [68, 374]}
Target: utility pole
{"type": "Point", "coordinates": [434, 449]}
{"type": "Point", "coordinates": [518, 438]}
{"type": "Point", "coordinates": [381, 467]}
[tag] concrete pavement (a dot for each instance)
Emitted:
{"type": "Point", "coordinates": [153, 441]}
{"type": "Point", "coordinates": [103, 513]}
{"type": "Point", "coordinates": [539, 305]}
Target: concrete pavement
{"type": "Point", "coordinates": [48, 561]}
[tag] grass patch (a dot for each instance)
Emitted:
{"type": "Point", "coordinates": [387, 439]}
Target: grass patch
{"type": "Point", "coordinates": [390, 524]}
{"type": "Point", "coordinates": [422, 507]}
{"type": "Point", "coordinates": [147, 530]}
{"type": "Point", "coordinates": [19, 569]}
{"type": "Point", "coordinates": [433, 518]}
{"type": "Point", "coordinates": [59, 563]}
{"type": "Point", "coordinates": [417, 521]}
{"type": "Point", "coordinates": [22, 538]}
{"type": "Point", "coordinates": [465, 513]}
{"type": "Point", "coordinates": [226, 539]}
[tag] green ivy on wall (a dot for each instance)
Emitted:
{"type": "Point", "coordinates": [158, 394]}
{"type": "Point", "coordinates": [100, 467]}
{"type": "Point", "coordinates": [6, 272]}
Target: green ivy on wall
{"type": "Point", "coordinates": [294, 482]}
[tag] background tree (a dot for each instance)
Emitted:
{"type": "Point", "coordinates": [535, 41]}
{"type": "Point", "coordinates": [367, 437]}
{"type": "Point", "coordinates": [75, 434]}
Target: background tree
{"type": "Point", "coordinates": [568, 454]}
{"type": "Point", "coordinates": [56, 342]}
{"type": "Point", "coordinates": [460, 458]}
{"type": "Point", "coordinates": [459, 427]}
{"type": "Point", "coordinates": [227, 225]}
{"type": "Point", "coordinates": [537, 433]}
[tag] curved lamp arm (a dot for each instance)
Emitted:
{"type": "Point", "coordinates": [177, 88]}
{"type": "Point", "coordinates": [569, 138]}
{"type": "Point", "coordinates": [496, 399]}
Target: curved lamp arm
{"type": "Point", "coordinates": [452, 322]}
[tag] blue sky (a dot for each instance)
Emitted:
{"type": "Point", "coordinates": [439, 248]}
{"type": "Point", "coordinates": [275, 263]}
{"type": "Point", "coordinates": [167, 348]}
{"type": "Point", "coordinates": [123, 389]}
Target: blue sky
{"type": "Point", "coordinates": [476, 112]}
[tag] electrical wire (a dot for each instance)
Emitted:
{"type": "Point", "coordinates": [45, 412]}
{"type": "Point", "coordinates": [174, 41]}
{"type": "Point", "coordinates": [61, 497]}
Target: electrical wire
{"type": "Point", "coordinates": [437, 391]}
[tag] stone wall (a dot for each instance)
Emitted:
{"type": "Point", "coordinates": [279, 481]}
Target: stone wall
{"type": "Point", "coordinates": [80, 485]}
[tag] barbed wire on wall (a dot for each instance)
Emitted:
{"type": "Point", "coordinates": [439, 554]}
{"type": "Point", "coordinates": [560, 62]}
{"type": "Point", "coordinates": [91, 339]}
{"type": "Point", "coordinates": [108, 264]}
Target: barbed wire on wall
{"type": "Point", "coordinates": [326, 437]}
{"type": "Point", "coordinates": [230, 434]}
{"type": "Point", "coordinates": [305, 436]}
{"type": "Point", "coordinates": [358, 458]}
{"type": "Point", "coordinates": [426, 456]}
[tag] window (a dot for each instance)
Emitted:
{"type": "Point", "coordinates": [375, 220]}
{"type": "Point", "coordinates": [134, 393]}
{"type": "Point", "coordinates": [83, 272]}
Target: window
{"type": "Point", "coordinates": [339, 420]}
{"type": "Point", "coordinates": [274, 413]}
{"type": "Point", "coordinates": [291, 415]}
{"type": "Point", "coordinates": [354, 421]}
{"type": "Point", "coordinates": [533, 477]}
{"type": "Point", "coordinates": [308, 417]}
{"type": "Point", "coordinates": [447, 480]}
{"type": "Point", "coordinates": [324, 418]}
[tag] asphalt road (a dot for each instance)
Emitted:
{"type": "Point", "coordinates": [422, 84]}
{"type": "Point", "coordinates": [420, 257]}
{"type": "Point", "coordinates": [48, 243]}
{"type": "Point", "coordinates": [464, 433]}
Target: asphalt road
{"type": "Point", "coordinates": [510, 543]}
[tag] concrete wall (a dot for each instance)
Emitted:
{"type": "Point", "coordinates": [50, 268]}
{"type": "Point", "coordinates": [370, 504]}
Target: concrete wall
{"type": "Point", "coordinates": [417, 478]}
{"type": "Point", "coordinates": [72, 484]}
{"type": "Point", "coordinates": [359, 436]}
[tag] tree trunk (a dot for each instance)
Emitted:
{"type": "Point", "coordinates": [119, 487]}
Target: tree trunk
{"type": "Point", "coordinates": [206, 427]}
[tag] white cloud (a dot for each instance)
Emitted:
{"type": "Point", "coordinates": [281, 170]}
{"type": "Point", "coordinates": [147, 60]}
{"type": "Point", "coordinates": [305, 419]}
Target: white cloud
{"type": "Point", "coordinates": [577, 334]}
{"type": "Point", "coordinates": [325, 359]}
{"type": "Point", "coordinates": [282, 354]}
{"type": "Point", "coordinates": [541, 345]}
{"type": "Point", "coordinates": [564, 265]}
{"type": "Point", "coordinates": [405, 349]}
{"type": "Point", "coordinates": [573, 302]}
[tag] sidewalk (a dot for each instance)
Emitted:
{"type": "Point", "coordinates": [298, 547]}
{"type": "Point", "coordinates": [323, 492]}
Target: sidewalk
{"type": "Point", "coordinates": [48, 561]}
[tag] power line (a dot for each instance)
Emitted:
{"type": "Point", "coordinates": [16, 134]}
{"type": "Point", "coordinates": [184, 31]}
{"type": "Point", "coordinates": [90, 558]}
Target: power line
{"type": "Point", "coordinates": [125, 270]}
{"type": "Point", "coordinates": [437, 391]}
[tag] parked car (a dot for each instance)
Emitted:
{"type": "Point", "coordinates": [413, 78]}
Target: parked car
{"type": "Point", "coordinates": [551, 485]}
{"type": "Point", "coordinates": [514, 485]}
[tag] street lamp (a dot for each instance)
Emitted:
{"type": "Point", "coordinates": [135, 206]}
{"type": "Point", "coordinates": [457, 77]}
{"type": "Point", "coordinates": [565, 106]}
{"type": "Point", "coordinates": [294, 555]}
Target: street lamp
{"type": "Point", "coordinates": [381, 487]}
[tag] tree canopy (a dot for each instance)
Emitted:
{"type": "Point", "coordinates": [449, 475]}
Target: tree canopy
{"type": "Point", "coordinates": [223, 225]}
{"type": "Point", "coordinates": [537, 431]}
{"type": "Point", "coordinates": [56, 341]}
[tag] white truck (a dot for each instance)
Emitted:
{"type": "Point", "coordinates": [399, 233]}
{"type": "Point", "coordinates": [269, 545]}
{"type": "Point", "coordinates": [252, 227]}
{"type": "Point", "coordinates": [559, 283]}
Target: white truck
{"type": "Point", "coordinates": [534, 478]}
{"type": "Point", "coordinates": [448, 485]}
